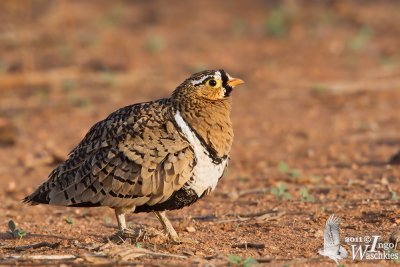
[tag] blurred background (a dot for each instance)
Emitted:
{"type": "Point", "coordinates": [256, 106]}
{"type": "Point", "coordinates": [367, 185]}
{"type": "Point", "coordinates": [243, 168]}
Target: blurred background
{"type": "Point", "coordinates": [320, 105]}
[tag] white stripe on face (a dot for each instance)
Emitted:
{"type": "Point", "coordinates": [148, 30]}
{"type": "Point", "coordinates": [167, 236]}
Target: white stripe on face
{"type": "Point", "coordinates": [217, 76]}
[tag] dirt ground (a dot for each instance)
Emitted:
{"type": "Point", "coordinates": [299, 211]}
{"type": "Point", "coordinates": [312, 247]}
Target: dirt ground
{"type": "Point", "coordinates": [315, 123]}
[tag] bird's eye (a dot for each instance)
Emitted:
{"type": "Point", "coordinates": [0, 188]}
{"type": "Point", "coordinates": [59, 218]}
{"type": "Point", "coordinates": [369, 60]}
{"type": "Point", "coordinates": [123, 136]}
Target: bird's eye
{"type": "Point", "coordinates": [212, 82]}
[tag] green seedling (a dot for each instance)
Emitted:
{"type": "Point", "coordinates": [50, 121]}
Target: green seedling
{"type": "Point", "coordinates": [239, 261]}
{"type": "Point", "coordinates": [239, 26]}
{"type": "Point", "coordinates": [295, 173]}
{"type": "Point", "coordinates": [68, 85]}
{"type": "Point", "coordinates": [69, 220]}
{"type": "Point", "coordinates": [315, 178]}
{"type": "Point", "coordinates": [284, 168]}
{"type": "Point", "coordinates": [318, 89]}
{"type": "Point", "coordinates": [108, 78]}
{"type": "Point", "coordinates": [76, 100]}
{"type": "Point", "coordinates": [16, 232]}
{"type": "Point", "coordinates": [114, 16]}
{"type": "Point", "coordinates": [387, 61]}
{"type": "Point", "coordinates": [155, 44]}
{"type": "Point", "coordinates": [360, 39]}
{"type": "Point", "coordinates": [280, 192]}
{"type": "Point", "coordinates": [393, 251]}
{"type": "Point", "coordinates": [278, 22]}
{"type": "Point", "coordinates": [305, 196]}
{"type": "Point", "coordinates": [394, 196]}
{"type": "Point", "coordinates": [43, 94]}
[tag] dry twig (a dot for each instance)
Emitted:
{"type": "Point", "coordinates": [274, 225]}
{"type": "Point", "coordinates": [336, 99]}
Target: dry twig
{"type": "Point", "coordinates": [34, 246]}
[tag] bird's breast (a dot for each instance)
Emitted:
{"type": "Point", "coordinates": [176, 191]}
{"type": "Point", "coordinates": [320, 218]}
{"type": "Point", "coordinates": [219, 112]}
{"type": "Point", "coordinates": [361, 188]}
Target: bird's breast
{"type": "Point", "coordinates": [208, 169]}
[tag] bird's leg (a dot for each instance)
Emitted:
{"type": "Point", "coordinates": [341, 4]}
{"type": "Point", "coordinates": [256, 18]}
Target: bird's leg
{"type": "Point", "coordinates": [167, 225]}
{"type": "Point", "coordinates": [123, 230]}
{"type": "Point", "coordinates": [119, 213]}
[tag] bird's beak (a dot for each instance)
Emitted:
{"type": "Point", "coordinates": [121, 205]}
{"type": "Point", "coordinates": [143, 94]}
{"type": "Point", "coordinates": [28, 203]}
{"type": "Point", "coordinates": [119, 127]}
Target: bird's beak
{"type": "Point", "coordinates": [234, 82]}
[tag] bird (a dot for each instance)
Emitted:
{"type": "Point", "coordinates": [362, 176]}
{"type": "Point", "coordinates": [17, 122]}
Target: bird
{"type": "Point", "coordinates": [332, 247]}
{"type": "Point", "coordinates": [154, 156]}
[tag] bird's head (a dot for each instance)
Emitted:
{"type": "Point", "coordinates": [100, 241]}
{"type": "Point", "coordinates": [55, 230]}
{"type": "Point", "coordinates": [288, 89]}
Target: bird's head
{"type": "Point", "coordinates": [209, 85]}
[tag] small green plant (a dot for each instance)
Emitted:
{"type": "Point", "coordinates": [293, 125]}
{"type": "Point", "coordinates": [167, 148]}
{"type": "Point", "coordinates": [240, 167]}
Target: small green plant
{"type": "Point", "coordinates": [108, 78]}
{"type": "Point", "coordinates": [155, 44]}
{"type": "Point", "coordinates": [239, 261]}
{"type": "Point", "coordinates": [138, 245]}
{"type": "Point", "coordinates": [315, 178]}
{"type": "Point", "coordinates": [295, 173]}
{"type": "Point", "coordinates": [394, 196]}
{"type": "Point", "coordinates": [305, 196]}
{"type": "Point", "coordinates": [69, 220]}
{"type": "Point", "coordinates": [394, 251]}
{"type": "Point", "coordinates": [79, 101]}
{"type": "Point", "coordinates": [280, 192]}
{"type": "Point", "coordinates": [318, 89]}
{"type": "Point", "coordinates": [16, 232]}
{"type": "Point", "coordinates": [114, 16]}
{"type": "Point", "coordinates": [385, 60]}
{"type": "Point", "coordinates": [284, 168]}
{"type": "Point", "coordinates": [360, 39]}
{"type": "Point", "coordinates": [239, 26]}
{"type": "Point", "coordinates": [43, 94]}
{"type": "Point", "coordinates": [278, 22]}
{"type": "Point", "coordinates": [68, 85]}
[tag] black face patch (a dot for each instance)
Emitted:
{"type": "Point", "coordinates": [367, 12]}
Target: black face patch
{"type": "Point", "coordinates": [225, 79]}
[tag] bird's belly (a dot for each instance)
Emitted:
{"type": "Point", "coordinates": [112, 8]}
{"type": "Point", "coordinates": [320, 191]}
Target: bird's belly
{"type": "Point", "coordinates": [206, 175]}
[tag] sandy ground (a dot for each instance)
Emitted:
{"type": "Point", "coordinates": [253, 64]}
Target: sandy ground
{"type": "Point", "coordinates": [315, 124]}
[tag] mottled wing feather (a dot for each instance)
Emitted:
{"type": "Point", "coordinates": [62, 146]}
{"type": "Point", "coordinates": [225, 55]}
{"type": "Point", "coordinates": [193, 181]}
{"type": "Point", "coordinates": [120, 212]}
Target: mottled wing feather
{"type": "Point", "coordinates": [133, 157]}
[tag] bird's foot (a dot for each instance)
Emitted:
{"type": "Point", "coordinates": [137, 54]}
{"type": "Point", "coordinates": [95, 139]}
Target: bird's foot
{"type": "Point", "coordinates": [138, 234]}
{"type": "Point", "coordinates": [134, 235]}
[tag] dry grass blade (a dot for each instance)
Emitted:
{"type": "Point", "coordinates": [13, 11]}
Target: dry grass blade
{"type": "Point", "coordinates": [42, 257]}
{"type": "Point", "coordinates": [130, 252]}
{"type": "Point", "coordinates": [259, 218]}
{"type": "Point", "coordinates": [249, 245]}
{"type": "Point", "coordinates": [269, 216]}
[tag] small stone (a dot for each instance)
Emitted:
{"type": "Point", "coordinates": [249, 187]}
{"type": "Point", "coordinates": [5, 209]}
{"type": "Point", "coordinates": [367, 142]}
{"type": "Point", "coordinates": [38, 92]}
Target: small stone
{"type": "Point", "coordinates": [190, 229]}
{"type": "Point", "coordinates": [8, 133]}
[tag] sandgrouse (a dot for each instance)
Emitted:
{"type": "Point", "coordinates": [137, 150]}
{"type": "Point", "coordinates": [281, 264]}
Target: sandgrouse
{"type": "Point", "coordinates": [150, 157]}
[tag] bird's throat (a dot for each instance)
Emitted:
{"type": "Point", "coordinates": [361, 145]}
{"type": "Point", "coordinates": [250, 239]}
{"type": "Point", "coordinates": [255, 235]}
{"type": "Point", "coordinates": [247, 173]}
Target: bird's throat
{"type": "Point", "coordinates": [211, 122]}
